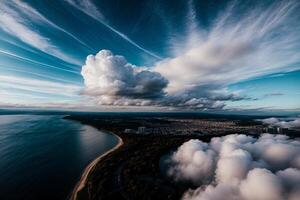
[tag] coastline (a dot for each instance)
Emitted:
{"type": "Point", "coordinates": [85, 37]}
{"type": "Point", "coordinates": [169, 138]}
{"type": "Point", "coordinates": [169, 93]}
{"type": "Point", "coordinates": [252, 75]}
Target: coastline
{"type": "Point", "coordinates": [83, 179]}
{"type": "Point", "coordinates": [133, 170]}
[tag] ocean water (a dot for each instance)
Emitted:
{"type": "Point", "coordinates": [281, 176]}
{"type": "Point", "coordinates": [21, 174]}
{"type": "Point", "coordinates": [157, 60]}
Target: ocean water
{"type": "Point", "coordinates": [43, 156]}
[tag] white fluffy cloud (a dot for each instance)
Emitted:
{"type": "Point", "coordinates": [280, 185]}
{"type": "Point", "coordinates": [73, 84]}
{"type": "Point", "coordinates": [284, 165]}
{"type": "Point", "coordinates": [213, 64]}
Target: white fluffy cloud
{"type": "Point", "coordinates": [202, 162]}
{"type": "Point", "coordinates": [239, 167]}
{"type": "Point", "coordinates": [283, 123]}
{"type": "Point", "coordinates": [116, 82]}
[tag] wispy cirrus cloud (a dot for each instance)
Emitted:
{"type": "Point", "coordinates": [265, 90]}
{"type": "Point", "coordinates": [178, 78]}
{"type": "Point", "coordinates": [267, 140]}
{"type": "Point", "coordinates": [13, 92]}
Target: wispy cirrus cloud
{"type": "Point", "coordinates": [40, 86]}
{"type": "Point", "coordinates": [17, 91]}
{"type": "Point", "coordinates": [245, 41]}
{"type": "Point", "coordinates": [36, 16]}
{"type": "Point", "coordinates": [12, 23]}
{"type": "Point", "coordinates": [88, 7]}
{"type": "Point", "coordinates": [36, 62]}
{"type": "Point", "coordinates": [273, 94]}
{"type": "Point", "coordinates": [238, 45]}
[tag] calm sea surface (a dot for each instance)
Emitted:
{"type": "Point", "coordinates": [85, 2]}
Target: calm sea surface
{"type": "Point", "coordinates": [42, 157]}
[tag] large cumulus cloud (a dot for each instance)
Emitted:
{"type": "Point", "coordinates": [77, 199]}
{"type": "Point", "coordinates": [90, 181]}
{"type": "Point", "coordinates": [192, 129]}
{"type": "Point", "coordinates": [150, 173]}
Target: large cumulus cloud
{"type": "Point", "coordinates": [115, 81]}
{"type": "Point", "coordinates": [239, 167]}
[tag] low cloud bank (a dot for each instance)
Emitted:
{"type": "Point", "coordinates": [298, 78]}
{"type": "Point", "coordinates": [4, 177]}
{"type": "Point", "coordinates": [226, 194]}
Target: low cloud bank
{"type": "Point", "coordinates": [276, 122]}
{"type": "Point", "coordinates": [239, 167]}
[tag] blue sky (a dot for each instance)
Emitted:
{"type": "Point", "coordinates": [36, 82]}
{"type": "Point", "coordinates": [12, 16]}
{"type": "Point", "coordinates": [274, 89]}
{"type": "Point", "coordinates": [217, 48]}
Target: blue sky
{"type": "Point", "coordinates": [186, 55]}
{"type": "Point", "coordinates": [275, 91]}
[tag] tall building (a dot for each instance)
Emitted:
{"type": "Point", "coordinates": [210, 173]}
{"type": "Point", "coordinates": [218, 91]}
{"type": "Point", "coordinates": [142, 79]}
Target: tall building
{"type": "Point", "coordinates": [141, 129]}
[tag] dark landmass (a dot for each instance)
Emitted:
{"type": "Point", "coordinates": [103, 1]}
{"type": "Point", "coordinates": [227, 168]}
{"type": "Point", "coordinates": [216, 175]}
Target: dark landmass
{"type": "Point", "coordinates": [132, 171]}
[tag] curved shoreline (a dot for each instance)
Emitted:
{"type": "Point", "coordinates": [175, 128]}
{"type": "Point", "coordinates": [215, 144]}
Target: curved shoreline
{"type": "Point", "coordinates": [83, 179]}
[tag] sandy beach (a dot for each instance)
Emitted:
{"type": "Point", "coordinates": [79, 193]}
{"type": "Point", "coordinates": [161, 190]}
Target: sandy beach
{"type": "Point", "coordinates": [83, 180]}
